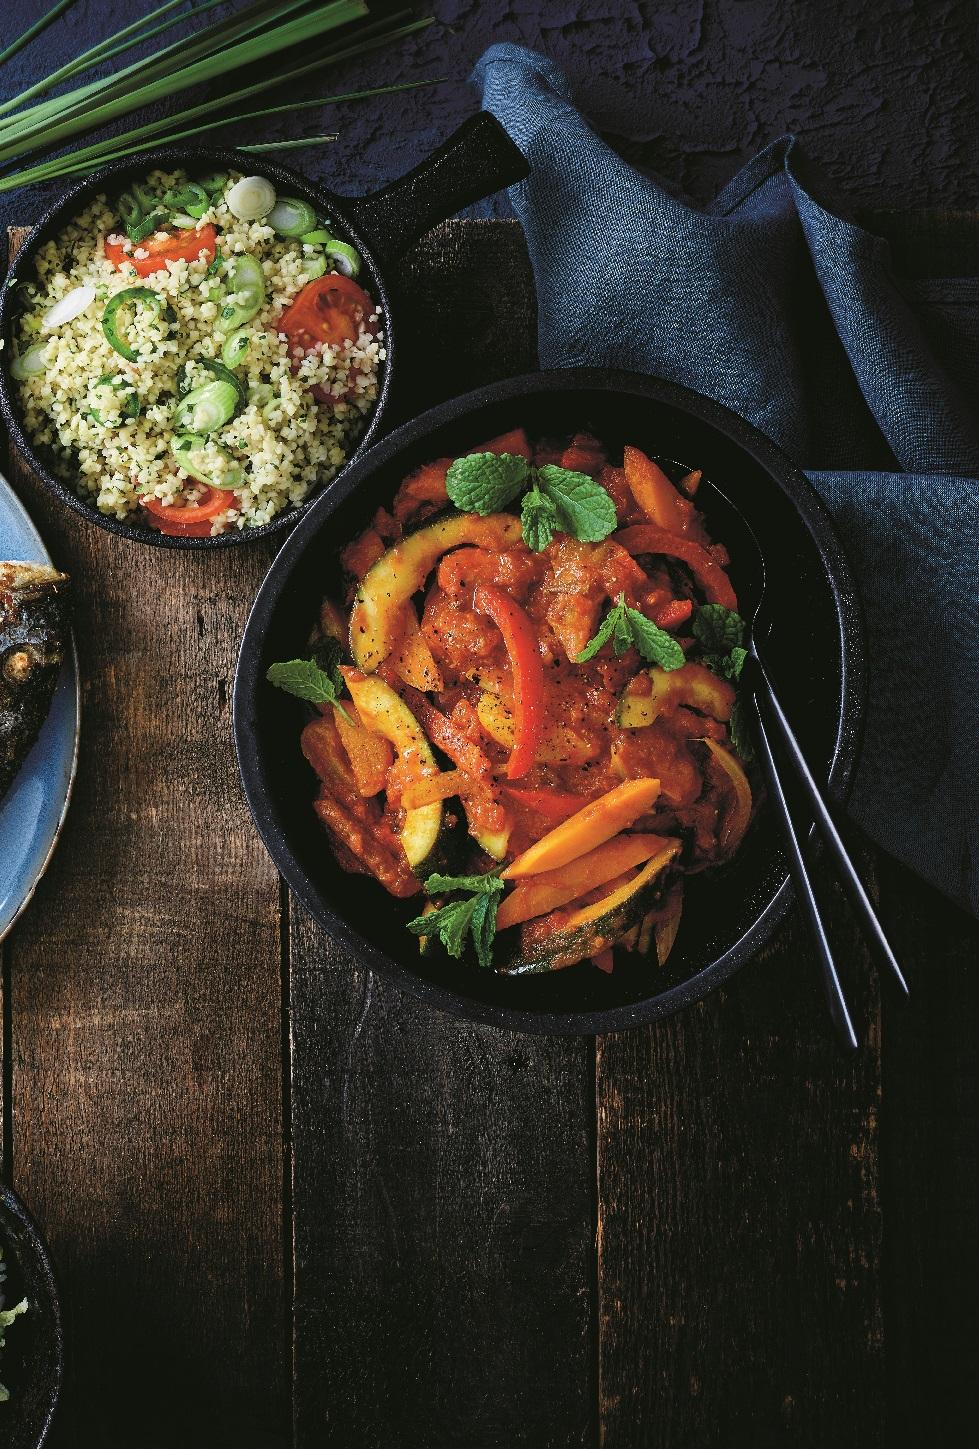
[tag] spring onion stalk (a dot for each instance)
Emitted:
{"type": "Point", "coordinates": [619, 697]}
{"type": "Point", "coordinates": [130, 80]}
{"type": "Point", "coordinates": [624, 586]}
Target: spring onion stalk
{"type": "Point", "coordinates": [35, 29]}
{"type": "Point", "coordinates": [121, 96]}
{"type": "Point", "coordinates": [201, 42]}
{"type": "Point", "coordinates": [70, 306]}
{"type": "Point", "coordinates": [224, 374]}
{"type": "Point", "coordinates": [315, 266]}
{"type": "Point", "coordinates": [122, 144]}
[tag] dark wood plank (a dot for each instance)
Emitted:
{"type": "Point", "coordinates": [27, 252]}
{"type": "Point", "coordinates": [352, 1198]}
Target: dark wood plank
{"type": "Point", "coordinates": [145, 1003]}
{"type": "Point", "coordinates": [739, 1217]}
{"type": "Point", "coordinates": [930, 1169]}
{"type": "Point", "coordinates": [443, 1173]}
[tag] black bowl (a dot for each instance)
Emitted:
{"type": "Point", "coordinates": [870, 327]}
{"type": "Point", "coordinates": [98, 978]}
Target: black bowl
{"type": "Point", "coordinates": [477, 159]}
{"type": "Point", "coordinates": [729, 912]}
{"type": "Point", "coordinates": [31, 1364]}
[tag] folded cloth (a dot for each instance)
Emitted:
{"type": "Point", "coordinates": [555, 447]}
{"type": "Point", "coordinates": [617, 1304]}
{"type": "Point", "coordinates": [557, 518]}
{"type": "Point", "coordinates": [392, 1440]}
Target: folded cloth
{"type": "Point", "coordinates": [775, 304]}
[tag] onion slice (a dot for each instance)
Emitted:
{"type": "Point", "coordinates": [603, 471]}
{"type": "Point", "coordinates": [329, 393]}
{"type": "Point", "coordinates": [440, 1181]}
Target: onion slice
{"type": "Point", "coordinates": [72, 305]}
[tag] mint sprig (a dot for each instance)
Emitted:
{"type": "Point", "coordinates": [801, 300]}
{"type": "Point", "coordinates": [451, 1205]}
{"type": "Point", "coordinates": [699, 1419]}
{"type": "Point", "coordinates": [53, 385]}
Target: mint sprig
{"type": "Point", "coordinates": [627, 628]}
{"type": "Point", "coordinates": [558, 499]}
{"type": "Point", "coordinates": [474, 917]}
{"type": "Point", "coordinates": [721, 634]}
{"type": "Point", "coordinates": [306, 680]}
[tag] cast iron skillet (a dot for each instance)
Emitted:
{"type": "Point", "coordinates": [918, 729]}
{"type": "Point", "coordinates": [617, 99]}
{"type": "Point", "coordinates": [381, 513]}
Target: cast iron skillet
{"type": "Point", "coordinates": [32, 1362]}
{"type": "Point", "coordinates": [478, 159]}
{"type": "Point", "coordinates": [728, 913]}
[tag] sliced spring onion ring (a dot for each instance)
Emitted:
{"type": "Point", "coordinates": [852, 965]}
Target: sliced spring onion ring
{"type": "Point", "coordinates": [246, 285]}
{"type": "Point", "coordinates": [196, 455]}
{"type": "Point", "coordinates": [71, 305]}
{"type": "Point", "coordinates": [191, 198]}
{"type": "Point", "coordinates": [235, 349]}
{"type": "Point", "coordinates": [214, 182]}
{"type": "Point", "coordinates": [135, 296]}
{"type": "Point", "coordinates": [129, 404]}
{"type": "Point", "coordinates": [251, 198]}
{"type": "Point", "coordinates": [224, 374]}
{"type": "Point", "coordinates": [206, 408]}
{"type": "Point", "coordinates": [30, 363]}
{"type": "Point", "coordinates": [314, 266]}
{"type": "Point", "coordinates": [291, 217]}
{"type": "Point", "coordinates": [315, 238]}
{"type": "Point", "coordinates": [345, 258]}
{"type": "Point", "coordinates": [182, 220]}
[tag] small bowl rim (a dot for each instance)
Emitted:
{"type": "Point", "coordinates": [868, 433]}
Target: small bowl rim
{"type": "Point", "coordinates": [13, 1207]}
{"type": "Point", "coordinates": [90, 184]}
{"type": "Point", "coordinates": [815, 518]}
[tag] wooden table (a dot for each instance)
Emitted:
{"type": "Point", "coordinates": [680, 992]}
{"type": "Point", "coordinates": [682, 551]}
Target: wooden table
{"type": "Point", "coordinates": [291, 1206]}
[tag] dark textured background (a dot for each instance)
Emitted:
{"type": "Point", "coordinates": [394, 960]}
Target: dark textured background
{"type": "Point", "coordinates": [883, 92]}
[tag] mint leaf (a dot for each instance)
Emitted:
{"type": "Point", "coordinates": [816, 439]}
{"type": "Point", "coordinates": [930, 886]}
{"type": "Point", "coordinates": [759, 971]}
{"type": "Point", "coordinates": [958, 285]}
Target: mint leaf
{"type": "Point", "coordinates": [306, 680]}
{"type": "Point", "coordinates": [613, 620]}
{"type": "Point", "coordinates": [584, 508]}
{"type": "Point", "coordinates": [486, 482]}
{"type": "Point", "coordinates": [653, 643]}
{"type": "Point", "coordinates": [475, 917]}
{"type": "Point", "coordinates": [716, 629]}
{"type": "Point", "coordinates": [738, 732]}
{"type": "Point", "coordinates": [735, 662]}
{"type": "Point", "coordinates": [538, 516]}
{"type": "Point", "coordinates": [487, 884]}
{"type": "Point", "coordinates": [327, 655]}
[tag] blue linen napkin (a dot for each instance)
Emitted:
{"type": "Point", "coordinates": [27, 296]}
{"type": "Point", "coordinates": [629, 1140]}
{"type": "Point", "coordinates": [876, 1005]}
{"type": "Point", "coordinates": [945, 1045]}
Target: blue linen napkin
{"type": "Point", "coordinates": [778, 306]}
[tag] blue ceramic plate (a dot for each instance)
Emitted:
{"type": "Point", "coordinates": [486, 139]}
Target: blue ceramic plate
{"type": "Point", "coordinates": [32, 813]}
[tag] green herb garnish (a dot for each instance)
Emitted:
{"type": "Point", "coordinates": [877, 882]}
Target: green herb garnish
{"type": "Point", "coordinates": [558, 498]}
{"type": "Point", "coordinates": [721, 634]}
{"type": "Point", "coordinates": [474, 917]}
{"type": "Point", "coordinates": [627, 628]}
{"type": "Point", "coordinates": [306, 680]}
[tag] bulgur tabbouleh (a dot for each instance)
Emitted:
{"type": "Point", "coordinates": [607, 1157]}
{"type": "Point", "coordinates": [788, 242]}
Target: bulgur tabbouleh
{"type": "Point", "coordinates": [197, 352]}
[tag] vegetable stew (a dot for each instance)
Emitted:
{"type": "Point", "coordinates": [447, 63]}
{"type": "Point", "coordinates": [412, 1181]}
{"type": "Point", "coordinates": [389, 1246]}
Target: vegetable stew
{"type": "Point", "coordinates": [526, 706]}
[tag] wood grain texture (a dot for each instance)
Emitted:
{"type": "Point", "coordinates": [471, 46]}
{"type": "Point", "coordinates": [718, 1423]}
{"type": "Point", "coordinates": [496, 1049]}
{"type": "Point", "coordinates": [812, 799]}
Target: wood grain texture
{"type": "Point", "coordinates": [444, 1222]}
{"type": "Point", "coordinates": [740, 1218]}
{"type": "Point", "coordinates": [930, 1169]}
{"type": "Point", "coordinates": [443, 1173]}
{"type": "Point", "coordinates": [145, 1005]}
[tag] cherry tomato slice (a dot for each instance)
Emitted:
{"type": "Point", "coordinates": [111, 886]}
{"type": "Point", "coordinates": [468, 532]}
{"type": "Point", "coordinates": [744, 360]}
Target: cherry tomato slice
{"type": "Point", "coordinates": [179, 246]}
{"type": "Point", "coordinates": [331, 309]}
{"type": "Point", "coordinates": [189, 520]}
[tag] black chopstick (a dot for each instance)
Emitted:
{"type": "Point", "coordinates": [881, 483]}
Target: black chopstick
{"type": "Point", "coordinates": [825, 823]}
{"type": "Point", "coordinates": [835, 1000]}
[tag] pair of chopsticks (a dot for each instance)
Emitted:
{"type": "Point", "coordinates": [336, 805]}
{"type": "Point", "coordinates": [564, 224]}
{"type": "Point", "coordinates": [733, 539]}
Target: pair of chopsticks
{"type": "Point", "coordinates": [771, 723]}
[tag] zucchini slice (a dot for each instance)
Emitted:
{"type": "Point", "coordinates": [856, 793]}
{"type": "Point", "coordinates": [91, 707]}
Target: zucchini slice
{"type": "Point", "coordinates": [558, 746]}
{"type": "Point", "coordinates": [377, 617]}
{"type": "Point", "coordinates": [593, 928]}
{"type": "Point", "coordinates": [692, 685]}
{"type": "Point", "coordinates": [386, 713]}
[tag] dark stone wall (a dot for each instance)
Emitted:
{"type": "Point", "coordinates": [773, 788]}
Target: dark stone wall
{"type": "Point", "coordinates": [884, 93]}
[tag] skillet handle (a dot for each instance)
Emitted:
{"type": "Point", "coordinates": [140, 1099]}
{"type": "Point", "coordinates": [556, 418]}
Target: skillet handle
{"type": "Point", "coordinates": [477, 159]}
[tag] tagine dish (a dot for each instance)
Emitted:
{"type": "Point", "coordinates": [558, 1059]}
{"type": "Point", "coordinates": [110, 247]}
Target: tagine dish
{"type": "Point", "coordinates": [527, 703]}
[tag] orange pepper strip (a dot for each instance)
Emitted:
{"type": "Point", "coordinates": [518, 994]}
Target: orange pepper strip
{"type": "Point", "coordinates": [647, 538]}
{"type": "Point", "coordinates": [538, 894]}
{"type": "Point", "coordinates": [656, 495]}
{"type": "Point", "coordinates": [588, 828]}
{"type": "Point", "coordinates": [520, 638]}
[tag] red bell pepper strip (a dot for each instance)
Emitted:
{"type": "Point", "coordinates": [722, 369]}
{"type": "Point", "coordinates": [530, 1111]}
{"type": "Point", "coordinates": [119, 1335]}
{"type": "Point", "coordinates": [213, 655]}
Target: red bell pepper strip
{"type": "Point", "coordinates": [647, 538]}
{"type": "Point", "coordinates": [520, 638]}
